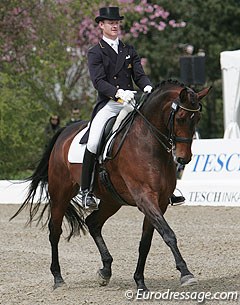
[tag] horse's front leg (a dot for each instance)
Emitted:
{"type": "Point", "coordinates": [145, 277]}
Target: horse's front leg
{"type": "Point", "coordinates": [159, 223]}
{"type": "Point", "coordinates": [95, 222]}
{"type": "Point", "coordinates": [144, 248]}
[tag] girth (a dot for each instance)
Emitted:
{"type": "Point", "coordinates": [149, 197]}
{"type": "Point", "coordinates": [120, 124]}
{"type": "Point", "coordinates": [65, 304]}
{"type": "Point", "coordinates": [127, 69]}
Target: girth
{"type": "Point", "coordinates": [105, 180]}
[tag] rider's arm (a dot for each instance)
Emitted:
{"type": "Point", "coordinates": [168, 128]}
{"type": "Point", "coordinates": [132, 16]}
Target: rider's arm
{"type": "Point", "coordinates": [98, 75]}
{"type": "Point", "coordinates": [138, 74]}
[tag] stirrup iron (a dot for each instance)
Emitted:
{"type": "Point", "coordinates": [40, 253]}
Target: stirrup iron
{"type": "Point", "coordinates": [88, 200]}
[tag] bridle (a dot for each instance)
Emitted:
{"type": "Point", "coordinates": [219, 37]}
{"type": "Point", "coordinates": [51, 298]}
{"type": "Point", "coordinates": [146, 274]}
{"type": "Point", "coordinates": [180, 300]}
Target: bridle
{"type": "Point", "coordinates": [168, 142]}
{"type": "Point", "coordinates": [174, 109]}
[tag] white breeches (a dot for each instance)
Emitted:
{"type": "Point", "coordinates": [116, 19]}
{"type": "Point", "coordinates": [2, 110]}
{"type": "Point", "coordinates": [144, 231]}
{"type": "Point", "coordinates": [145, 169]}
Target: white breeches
{"type": "Point", "coordinates": [111, 109]}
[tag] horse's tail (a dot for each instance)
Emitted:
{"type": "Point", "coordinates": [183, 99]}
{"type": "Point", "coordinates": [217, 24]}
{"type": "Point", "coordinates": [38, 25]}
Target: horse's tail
{"type": "Point", "coordinates": [39, 178]}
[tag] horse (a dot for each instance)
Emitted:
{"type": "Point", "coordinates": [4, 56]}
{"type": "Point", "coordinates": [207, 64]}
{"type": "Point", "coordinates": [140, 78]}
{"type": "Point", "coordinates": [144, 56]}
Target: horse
{"type": "Point", "coordinates": [141, 172]}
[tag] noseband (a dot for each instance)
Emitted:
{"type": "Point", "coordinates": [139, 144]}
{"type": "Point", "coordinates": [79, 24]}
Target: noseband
{"type": "Point", "coordinates": [174, 109]}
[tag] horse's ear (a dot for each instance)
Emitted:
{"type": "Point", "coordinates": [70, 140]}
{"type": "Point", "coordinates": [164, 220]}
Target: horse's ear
{"type": "Point", "coordinates": [183, 95]}
{"type": "Point", "coordinates": [203, 93]}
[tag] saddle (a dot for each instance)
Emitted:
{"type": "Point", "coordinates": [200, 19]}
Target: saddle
{"type": "Point", "coordinates": [105, 136]}
{"type": "Point", "coordinates": [105, 152]}
{"type": "Point", "coordinates": [108, 137]}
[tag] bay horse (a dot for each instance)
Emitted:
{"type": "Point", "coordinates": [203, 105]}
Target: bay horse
{"type": "Point", "coordinates": [142, 172]}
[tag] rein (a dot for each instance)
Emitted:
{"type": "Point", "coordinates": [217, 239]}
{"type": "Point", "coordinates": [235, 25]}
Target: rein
{"type": "Point", "coordinates": [157, 134]}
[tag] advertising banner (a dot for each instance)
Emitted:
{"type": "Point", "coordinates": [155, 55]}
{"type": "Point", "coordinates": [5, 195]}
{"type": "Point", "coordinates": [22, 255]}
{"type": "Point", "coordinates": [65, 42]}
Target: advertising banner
{"type": "Point", "coordinates": [213, 175]}
{"type": "Point", "coordinates": [211, 178]}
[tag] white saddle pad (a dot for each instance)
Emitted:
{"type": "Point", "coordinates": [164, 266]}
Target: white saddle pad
{"type": "Point", "coordinates": [77, 150]}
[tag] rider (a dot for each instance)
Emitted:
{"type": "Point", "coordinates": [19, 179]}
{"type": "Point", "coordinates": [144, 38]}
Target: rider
{"type": "Point", "coordinates": [113, 66]}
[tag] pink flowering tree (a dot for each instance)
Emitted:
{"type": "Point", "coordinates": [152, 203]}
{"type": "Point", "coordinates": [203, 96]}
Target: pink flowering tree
{"type": "Point", "coordinates": [47, 41]}
{"type": "Point", "coordinates": [150, 17]}
{"type": "Point", "coordinates": [146, 18]}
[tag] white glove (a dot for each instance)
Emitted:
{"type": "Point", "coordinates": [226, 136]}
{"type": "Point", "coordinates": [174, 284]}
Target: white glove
{"type": "Point", "coordinates": [148, 89]}
{"type": "Point", "coordinates": [125, 95]}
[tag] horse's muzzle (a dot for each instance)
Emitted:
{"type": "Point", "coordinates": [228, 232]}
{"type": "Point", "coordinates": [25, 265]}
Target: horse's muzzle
{"type": "Point", "coordinates": [182, 161]}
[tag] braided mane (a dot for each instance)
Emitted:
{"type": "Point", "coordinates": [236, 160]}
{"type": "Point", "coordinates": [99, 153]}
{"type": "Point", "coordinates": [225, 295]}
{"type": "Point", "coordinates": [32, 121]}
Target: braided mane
{"type": "Point", "coordinates": [171, 82]}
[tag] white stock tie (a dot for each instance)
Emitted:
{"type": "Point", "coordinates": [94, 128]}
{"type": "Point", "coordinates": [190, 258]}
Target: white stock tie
{"type": "Point", "coordinates": [115, 47]}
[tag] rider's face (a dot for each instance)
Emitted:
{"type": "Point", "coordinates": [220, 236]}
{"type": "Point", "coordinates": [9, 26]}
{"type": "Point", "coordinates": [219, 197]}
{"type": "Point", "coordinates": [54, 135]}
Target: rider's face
{"type": "Point", "coordinates": [110, 28]}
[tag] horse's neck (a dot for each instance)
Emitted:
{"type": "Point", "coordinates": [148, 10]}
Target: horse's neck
{"type": "Point", "coordinates": [149, 133]}
{"type": "Point", "coordinates": [156, 111]}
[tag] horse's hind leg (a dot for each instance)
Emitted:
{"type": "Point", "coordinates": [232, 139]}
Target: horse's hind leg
{"type": "Point", "coordinates": [144, 248]}
{"type": "Point", "coordinates": [55, 231]}
{"type": "Point", "coordinates": [95, 222]}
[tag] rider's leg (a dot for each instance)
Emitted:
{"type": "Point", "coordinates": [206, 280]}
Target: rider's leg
{"type": "Point", "coordinates": [88, 199]}
{"type": "Point", "coordinates": [111, 109]}
{"type": "Point", "coordinates": [122, 114]}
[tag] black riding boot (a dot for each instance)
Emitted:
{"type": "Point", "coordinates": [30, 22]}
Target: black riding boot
{"type": "Point", "coordinates": [176, 200]}
{"type": "Point", "coordinates": [88, 198]}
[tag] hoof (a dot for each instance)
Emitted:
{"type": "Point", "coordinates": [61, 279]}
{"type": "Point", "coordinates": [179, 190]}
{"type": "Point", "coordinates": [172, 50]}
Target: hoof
{"type": "Point", "coordinates": [188, 280]}
{"type": "Point", "coordinates": [58, 284]}
{"type": "Point", "coordinates": [141, 286]}
{"type": "Point", "coordinates": [103, 281]}
{"type": "Point", "coordinates": [143, 289]}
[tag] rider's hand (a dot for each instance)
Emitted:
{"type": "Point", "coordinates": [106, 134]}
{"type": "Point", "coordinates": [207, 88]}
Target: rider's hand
{"type": "Point", "coordinates": [148, 89]}
{"type": "Point", "coordinates": [125, 95]}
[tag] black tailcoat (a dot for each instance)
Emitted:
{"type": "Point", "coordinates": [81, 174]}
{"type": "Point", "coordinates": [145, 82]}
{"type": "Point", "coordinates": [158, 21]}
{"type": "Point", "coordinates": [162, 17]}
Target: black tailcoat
{"type": "Point", "coordinates": [110, 71]}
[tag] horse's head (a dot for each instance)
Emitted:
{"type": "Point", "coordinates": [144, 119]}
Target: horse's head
{"type": "Point", "coordinates": [183, 119]}
{"type": "Point", "coordinates": [172, 112]}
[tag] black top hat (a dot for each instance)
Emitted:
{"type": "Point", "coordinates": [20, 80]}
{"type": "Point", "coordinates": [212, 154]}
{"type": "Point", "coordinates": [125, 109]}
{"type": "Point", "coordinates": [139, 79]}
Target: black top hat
{"type": "Point", "coordinates": [109, 13]}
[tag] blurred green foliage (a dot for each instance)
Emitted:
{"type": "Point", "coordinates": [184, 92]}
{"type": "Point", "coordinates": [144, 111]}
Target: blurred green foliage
{"type": "Point", "coordinates": [40, 63]}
